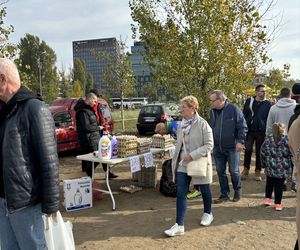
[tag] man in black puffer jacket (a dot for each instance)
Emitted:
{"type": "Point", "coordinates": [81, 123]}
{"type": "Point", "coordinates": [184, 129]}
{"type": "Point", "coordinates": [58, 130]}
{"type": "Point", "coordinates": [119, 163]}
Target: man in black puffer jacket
{"type": "Point", "coordinates": [29, 180]}
{"type": "Point", "coordinates": [88, 129]}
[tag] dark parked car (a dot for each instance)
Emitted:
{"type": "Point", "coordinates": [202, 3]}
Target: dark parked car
{"type": "Point", "coordinates": [152, 114]}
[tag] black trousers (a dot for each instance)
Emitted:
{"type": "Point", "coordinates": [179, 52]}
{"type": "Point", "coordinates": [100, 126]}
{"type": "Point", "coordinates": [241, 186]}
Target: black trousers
{"type": "Point", "coordinates": [86, 166]}
{"type": "Point", "coordinates": [89, 170]}
{"type": "Point", "coordinates": [277, 185]}
{"type": "Point", "coordinates": [258, 138]}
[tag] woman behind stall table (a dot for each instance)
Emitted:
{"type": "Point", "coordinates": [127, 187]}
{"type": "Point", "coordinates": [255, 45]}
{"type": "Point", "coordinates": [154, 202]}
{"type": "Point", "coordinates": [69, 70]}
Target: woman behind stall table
{"type": "Point", "coordinates": [198, 138]}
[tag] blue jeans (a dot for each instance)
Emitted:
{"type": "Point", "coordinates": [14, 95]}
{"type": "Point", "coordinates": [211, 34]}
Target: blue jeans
{"type": "Point", "coordinates": [23, 229]}
{"type": "Point", "coordinates": [233, 159]}
{"type": "Point", "coordinates": [182, 184]}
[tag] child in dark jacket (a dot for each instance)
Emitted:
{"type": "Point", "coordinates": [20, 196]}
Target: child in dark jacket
{"type": "Point", "coordinates": [276, 159]}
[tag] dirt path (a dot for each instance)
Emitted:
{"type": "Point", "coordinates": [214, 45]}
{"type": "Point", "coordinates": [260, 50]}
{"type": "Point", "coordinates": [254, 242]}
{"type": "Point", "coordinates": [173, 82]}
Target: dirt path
{"type": "Point", "coordinates": [141, 218]}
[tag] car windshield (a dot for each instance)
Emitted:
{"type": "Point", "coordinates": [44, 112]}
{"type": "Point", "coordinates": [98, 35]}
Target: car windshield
{"type": "Point", "coordinates": [155, 110]}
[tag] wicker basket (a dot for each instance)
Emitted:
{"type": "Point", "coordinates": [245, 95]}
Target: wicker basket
{"type": "Point", "coordinates": [147, 177]}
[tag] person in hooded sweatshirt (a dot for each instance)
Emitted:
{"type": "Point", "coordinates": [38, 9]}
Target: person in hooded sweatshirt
{"type": "Point", "coordinates": [29, 179]}
{"type": "Point", "coordinates": [282, 111]}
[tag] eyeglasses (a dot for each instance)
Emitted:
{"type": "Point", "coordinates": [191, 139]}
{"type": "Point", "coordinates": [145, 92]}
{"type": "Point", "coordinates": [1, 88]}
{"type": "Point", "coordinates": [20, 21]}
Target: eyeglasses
{"type": "Point", "coordinates": [212, 101]}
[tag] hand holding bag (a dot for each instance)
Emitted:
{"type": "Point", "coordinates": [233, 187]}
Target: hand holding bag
{"type": "Point", "coordinates": [58, 234]}
{"type": "Point", "coordinates": [197, 167]}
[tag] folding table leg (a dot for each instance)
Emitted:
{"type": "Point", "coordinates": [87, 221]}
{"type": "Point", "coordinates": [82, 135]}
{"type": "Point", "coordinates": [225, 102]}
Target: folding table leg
{"type": "Point", "coordinates": [107, 183]}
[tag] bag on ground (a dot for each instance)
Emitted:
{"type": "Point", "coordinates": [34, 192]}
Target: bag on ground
{"type": "Point", "coordinates": [59, 235]}
{"type": "Point", "coordinates": [167, 186]}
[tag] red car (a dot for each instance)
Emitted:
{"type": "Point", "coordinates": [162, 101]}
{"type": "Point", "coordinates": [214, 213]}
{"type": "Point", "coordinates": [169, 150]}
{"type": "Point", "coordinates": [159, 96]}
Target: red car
{"type": "Point", "coordinates": [64, 117]}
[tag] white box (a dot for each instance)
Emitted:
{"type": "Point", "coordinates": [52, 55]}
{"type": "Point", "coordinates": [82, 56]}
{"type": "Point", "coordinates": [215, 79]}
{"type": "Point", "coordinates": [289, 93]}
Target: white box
{"type": "Point", "coordinates": [78, 193]}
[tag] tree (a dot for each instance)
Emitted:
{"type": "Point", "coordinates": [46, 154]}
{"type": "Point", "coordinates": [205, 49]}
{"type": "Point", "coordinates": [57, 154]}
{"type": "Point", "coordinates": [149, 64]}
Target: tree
{"type": "Point", "coordinates": [80, 74]}
{"type": "Point", "coordinates": [194, 47]}
{"type": "Point", "coordinates": [77, 90]}
{"type": "Point", "coordinates": [90, 82]}
{"type": "Point", "coordinates": [278, 79]}
{"type": "Point", "coordinates": [118, 74]}
{"type": "Point", "coordinates": [6, 49]}
{"type": "Point", "coordinates": [36, 63]}
{"type": "Point", "coordinates": [63, 82]}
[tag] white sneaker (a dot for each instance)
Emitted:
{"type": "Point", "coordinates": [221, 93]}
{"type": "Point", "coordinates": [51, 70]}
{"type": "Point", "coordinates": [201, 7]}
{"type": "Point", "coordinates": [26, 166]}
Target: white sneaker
{"type": "Point", "coordinates": [206, 219]}
{"type": "Point", "coordinates": [175, 230]}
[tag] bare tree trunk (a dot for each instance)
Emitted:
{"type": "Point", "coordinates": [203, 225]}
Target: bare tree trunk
{"type": "Point", "coordinates": [122, 111]}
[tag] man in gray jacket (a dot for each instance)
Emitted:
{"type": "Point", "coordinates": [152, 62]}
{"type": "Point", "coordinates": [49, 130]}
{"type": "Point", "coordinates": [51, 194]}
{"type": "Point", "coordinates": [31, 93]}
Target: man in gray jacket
{"type": "Point", "coordinates": [281, 111]}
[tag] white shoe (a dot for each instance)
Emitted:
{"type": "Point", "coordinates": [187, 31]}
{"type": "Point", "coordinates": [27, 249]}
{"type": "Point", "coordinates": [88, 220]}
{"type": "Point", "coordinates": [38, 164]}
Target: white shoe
{"type": "Point", "coordinates": [175, 230]}
{"type": "Point", "coordinates": [206, 219]}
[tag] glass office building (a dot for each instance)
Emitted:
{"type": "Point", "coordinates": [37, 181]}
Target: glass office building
{"type": "Point", "coordinates": [86, 50]}
{"type": "Point", "coordinates": [139, 66]}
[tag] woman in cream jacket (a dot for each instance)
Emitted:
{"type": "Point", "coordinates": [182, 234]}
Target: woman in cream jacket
{"type": "Point", "coordinates": [198, 142]}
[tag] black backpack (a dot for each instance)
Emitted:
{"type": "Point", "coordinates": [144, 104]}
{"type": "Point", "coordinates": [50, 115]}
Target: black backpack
{"type": "Point", "coordinates": [167, 186]}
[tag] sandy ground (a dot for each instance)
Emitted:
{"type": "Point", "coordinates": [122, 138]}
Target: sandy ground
{"type": "Point", "coordinates": [140, 218]}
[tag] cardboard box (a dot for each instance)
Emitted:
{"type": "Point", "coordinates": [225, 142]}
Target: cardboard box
{"type": "Point", "coordinates": [78, 193]}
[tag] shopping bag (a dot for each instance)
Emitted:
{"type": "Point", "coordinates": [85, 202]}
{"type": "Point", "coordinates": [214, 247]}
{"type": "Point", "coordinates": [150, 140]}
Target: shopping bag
{"type": "Point", "coordinates": [198, 167]}
{"type": "Point", "coordinates": [58, 234]}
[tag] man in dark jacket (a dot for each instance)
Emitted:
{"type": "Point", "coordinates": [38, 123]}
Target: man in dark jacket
{"type": "Point", "coordinates": [296, 97]}
{"type": "Point", "coordinates": [229, 130]}
{"type": "Point", "coordinates": [256, 110]}
{"type": "Point", "coordinates": [29, 180]}
{"type": "Point", "coordinates": [88, 129]}
{"type": "Point", "coordinates": [103, 126]}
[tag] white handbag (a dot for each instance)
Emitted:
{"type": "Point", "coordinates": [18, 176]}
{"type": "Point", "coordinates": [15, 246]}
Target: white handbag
{"type": "Point", "coordinates": [197, 167]}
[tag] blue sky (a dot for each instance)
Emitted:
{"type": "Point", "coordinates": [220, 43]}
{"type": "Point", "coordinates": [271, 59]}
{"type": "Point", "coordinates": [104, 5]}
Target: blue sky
{"type": "Point", "coordinates": [59, 22]}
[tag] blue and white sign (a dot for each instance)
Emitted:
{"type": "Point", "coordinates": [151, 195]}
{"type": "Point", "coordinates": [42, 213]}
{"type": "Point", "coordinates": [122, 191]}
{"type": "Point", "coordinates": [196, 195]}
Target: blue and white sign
{"type": "Point", "coordinates": [148, 157]}
{"type": "Point", "coordinates": [135, 165]}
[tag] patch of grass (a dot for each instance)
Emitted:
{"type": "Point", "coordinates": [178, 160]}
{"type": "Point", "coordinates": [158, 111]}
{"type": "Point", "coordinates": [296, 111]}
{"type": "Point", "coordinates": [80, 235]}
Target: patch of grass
{"type": "Point", "coordinates": [130, 117]}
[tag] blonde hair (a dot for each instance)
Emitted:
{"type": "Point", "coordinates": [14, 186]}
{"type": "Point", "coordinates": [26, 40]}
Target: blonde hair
{"type": "Point", "coordinates": [190, 101]}
{"type": "Point", "coordinates": [277, 131]}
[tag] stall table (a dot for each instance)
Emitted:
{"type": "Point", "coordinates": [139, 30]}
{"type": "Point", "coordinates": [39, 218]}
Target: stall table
{"type": "Point", "coordinates": [92, 157]}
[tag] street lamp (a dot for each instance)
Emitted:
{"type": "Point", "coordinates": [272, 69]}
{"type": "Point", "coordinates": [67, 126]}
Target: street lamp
{"type": "Point", "coordinates": [40, 72]}
{"type": "Point", "coordinates": [40, 76]}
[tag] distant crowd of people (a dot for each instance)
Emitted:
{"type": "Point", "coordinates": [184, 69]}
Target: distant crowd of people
{"type": "Point", "coordinates": [29, 179]}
